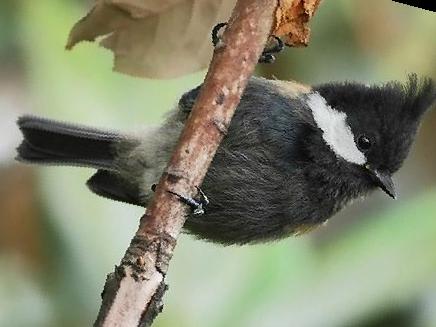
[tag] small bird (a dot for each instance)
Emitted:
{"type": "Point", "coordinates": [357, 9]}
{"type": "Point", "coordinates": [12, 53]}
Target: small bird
{"type": "Point", "coordinates": [294, 155]}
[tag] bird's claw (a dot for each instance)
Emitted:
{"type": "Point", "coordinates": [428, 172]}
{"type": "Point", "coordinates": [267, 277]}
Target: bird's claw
{"type": "Point", "coordinates": [216, 36]}
{"type": "Point", "coordinates": [197, 205]}
{"type": "Point", "coordinates": [268, 54]}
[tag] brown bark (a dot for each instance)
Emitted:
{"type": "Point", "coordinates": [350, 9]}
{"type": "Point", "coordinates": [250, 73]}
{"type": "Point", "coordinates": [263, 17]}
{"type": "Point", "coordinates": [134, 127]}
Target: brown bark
{"type": "Point", "coordinates": [132, 295]}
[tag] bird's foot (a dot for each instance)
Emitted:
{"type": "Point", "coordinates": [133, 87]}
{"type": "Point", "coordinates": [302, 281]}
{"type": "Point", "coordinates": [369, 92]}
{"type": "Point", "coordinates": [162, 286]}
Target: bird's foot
{"type": "Point", "coordinates": [217, 33]}
{"type": "Point", "coordinates": [197, 205]}
{"type": "Point", "coordinates": [268, 54]}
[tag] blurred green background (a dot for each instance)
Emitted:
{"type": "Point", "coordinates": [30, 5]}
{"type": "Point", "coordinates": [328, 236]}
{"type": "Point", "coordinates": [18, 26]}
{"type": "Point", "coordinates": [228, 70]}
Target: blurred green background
{"type": "Point", "coordinates": [374, 264]}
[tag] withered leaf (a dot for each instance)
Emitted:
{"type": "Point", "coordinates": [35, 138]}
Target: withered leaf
{"type": "Point", "coordinates": [155, 39]}
{"type": "Point", "coordinates": [292, 17]}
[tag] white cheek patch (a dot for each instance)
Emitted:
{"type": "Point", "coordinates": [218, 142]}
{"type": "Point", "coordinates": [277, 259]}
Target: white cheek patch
{"type": "Point", "coordinates": [336, 132]}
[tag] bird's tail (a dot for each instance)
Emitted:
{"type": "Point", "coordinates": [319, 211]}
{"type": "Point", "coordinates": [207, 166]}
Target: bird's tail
{"type": "Point", "coordinates": [50, 142]}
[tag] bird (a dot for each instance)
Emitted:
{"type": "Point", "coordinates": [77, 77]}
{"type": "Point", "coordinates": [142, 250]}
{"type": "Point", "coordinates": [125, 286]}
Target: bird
{"type": "Point", "coordinates": [294, 154]}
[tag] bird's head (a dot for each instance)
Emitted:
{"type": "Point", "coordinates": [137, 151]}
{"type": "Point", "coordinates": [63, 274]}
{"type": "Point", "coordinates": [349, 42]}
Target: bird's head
{"type": "Point", "coordinates": [370, 129]}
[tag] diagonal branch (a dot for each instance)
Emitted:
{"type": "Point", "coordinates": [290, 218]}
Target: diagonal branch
{"type": "Point", "coordinates": [132, 295]}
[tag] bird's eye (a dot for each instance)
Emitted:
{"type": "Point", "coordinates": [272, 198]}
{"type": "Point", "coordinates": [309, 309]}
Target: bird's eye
{"type": "Point", "coordinates": [364, 143]}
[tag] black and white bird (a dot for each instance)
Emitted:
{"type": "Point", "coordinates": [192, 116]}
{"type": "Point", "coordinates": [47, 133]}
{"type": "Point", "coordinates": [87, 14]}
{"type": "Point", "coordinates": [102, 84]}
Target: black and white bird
{"type": "Point", "coordinates": [294, 155]}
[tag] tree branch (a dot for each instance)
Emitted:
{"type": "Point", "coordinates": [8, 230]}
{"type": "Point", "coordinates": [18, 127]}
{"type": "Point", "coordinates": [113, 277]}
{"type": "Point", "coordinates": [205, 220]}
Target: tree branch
{"type": "Point", "coordinates": [132, 295]}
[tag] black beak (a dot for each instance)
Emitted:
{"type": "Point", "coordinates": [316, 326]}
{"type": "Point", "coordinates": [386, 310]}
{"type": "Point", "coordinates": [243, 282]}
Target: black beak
{"type": "Point", "coordinates": [384, 181]}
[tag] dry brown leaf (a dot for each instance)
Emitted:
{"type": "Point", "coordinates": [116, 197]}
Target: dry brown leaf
{"type": "Point", "coordinates": [156, 39]}
{"type": "Point", "coordinates": [292, 17]}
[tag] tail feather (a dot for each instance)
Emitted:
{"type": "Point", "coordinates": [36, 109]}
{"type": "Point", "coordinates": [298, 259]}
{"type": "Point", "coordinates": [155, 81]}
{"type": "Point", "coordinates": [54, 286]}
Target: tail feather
{"type": "Point", "coordinates": [51, 142]}
{"type": "Point", "coordinates": [26, 152]}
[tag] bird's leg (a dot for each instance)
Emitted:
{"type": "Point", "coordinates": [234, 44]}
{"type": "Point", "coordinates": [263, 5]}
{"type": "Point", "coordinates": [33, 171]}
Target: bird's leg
{"type": "Point", "coordinates": [197, 205]}
{"type": "Point", "coordinates": [267, 55]}
{"type": "Point", "coordinates": [203, 198]}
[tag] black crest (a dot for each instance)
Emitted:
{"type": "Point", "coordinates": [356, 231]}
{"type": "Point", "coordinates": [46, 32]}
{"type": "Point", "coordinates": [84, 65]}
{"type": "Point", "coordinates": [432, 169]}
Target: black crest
{"type": "Point", "coordinates": [418, 95]}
